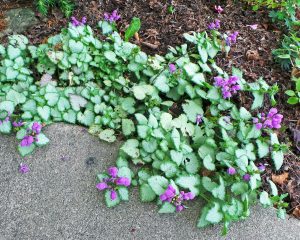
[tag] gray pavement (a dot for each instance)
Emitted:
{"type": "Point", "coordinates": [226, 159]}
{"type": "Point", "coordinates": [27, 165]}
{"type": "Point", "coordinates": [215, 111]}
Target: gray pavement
{"type": "Point", "coordinates": [58, 199]}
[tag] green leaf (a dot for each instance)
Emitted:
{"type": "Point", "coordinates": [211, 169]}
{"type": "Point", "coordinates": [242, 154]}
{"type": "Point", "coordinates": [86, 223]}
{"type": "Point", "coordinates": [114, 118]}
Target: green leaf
{"type": "Point", "coordinates": [274, 189]}
{"type": "Point", "coordinates": [127, 126]}
{"type": "Point", "coordinates": [158, 184]}
{"type": "Point", "coordinates": [161, 83]}
{"type": "Point", "coordinates": [277, 157]}
{"type": "Point", "coordinates": [106, 27]}
{"type": "Point", "coordinates": [203, 54]}
{"type": "Point", "coordinates": [123, 193]}
{"type": "Point", "coordinates": [11, 74]}
{"type": "Point", "coordinates": [140, 91]}
{"type": "Point", "coordinates": [15, 97]}
{"type": "Point", "coordinates": [239, 188]}
{"type": "Point", "coordinates": [191, 69]}
{"type": "Point", "coordinates": [245, 114]}
{"type": "Point", "coordinates": [7, 106]}
{"type": "Point", "coordinates": [290, 93]}
{"type": "Point", "coordinates": [44, 112]}
{"type": "Point", "coordinates": [192, 108]}
{"type": "Point", "coordinates": [149, 146]}
{"type": "Point", "coordinates": [128, 104]}
{"type": "Point", "coordinates": [202, 222]}
{"type": "Point", "coordinates": [75, 47]}
{"type": "Point", "coordinates": [63, 104]}
{"type": "Point", "coordinates": [111, 56]}
{"type": "Point", "coordinates": [109, 202]}
{"type": "Point", "coordinates": [192, 163]}
{"type": "Point", "coordinates": [264, 199]}
{"type": "Point", "coordinates": [214, 215]}
{"type": "Point", "coordinates": [241, 159]}
{"type": "Point", "coordinates": [133, 28]}
{"type": "Point", "coordinates": [5, 127]}
{"type": "Point", "coordinates": [108, 135]}
{"type": "Point", "coordinates": [166, 121]}
{"type": "Point", "coordinates": [52, 98]}
{"type": "Point", "coordinates": [146, 193]}
{"type": "Point", "coordinates": [70, 116]}
{"type": "Point", "coordinates": [77, 102]}
{"type": "Point", "coordinates": [130, 147]}
{"type": "Point", "coordinates": [24, 151]}
{"type": "Point", "coordinates": [167, 208]}
{"type": "Point", "coordinates": [87, 118]}
{"type": "Point", "coordinates": [219, 191]}
{"type": "Point", "coordinates": [191, 182]}
{"type": "Point", "coordinates": [208, 163]}
{"type": "Point", "coordinates": [208, 184]}
{"type": "Point", "coordinates": [176, 138]}
{"type": "Point", "coordinates": [42, 140]}
{"type": "Point", "coordinates": [177, 157]}
{"type": "Point", "coordinates": [258, 100]}
{"type": "Point", "coordinates": [293, 100]}
{"type": "Point", "coordinates": [263, 148]}
{"type": "Point", "coordinates": [13, 52]}
{"type": "Point", "coordinates": [281, 213]}
{"type": "Point", "coordinates": [169, 168]}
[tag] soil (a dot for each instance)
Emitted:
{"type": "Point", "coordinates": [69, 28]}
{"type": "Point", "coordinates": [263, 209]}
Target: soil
{"type": "Point", "coordinates": [252, 54]}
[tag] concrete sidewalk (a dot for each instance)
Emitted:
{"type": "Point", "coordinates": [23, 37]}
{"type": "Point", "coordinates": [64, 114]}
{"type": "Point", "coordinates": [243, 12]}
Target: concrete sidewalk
{"type": "Point", "coordinates": [58, 199]}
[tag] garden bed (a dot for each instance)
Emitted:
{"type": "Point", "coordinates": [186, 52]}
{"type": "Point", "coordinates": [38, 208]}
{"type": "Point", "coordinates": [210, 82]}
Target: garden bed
{"type": "Point", "coordinates": [252, 53]}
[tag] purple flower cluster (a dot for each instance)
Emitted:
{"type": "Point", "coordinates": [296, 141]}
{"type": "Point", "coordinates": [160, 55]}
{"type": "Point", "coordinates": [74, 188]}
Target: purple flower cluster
{"type": "Point", "coordinates": [261, 167]}
{"type": "Point", "coordinates": [172, 68]}
{"type": "Point", "coordinates": [18, 124]}
{"type": "Point", "coordinates": [272, 120]}
{"type": "Point", "coordinates": [176, 199]}
{"type": "Point", "coordinates": [219, 9]}
{"type": "Point", "coordinates": [232, 38]}
{"type": "Point", "coordinates": [32, 135]}
{"type": "Point", "coordinates": [111, 183]}
{"type": "Point", "coordinates": [247, 177]}
{"type": "Point", "coordinates": [231, 171]}
{"type": "Point", "coordinates": [23, 168]}
{"type": "Point", "coordinates": [113, 17]}
{"type": "Point", "coordinates": [229, 86]}
{"type": "Point", "coordinates": [214, 25]}
{"type": "Point", "coordinates": [77, 23]}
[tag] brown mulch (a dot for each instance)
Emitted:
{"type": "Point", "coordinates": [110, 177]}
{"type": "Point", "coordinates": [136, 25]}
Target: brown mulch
{"type": "Point", "coordinates": [252, 54]}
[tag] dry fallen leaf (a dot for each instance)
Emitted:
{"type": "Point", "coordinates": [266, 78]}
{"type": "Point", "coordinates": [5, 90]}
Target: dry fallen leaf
{"type": "Point", "coordinates": [296, 72]}
{"type": "Point", "coordinates": [252, 55]}
{"type": "Point", "coordinates": [296, 212]}
{"type": "Point", "coordinates": [280, 179]}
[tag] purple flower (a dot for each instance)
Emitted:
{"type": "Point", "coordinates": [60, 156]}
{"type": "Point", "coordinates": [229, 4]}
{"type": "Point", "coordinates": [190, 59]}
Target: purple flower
{"type": "Point", "coordinates": [172, 68]}
{"type": "Point", "coordinates": [36, 128]}
{"type": "Point", "coordinates": [272, 120]}
{"type": "Point", "coordinates": [18, 124]}
{"type": "Point", "coordinates": [261, 167]}
{"type": "Point", "coordinates": [198, 119]}
{"type": "Point", "coordinates": [113, 17]}
{"type": "Point", "coordinates": [23, 168]}
{"type": "Point", "coordinates": [113, 194]}
{"type": "Point", "coordinates": [176, 199]}
{"type": "Point", "coordinates": [231, 171]}
{"type": "Point", "coordinates": [123, 181]}
{"type": "Point", "coordinates": [101, 186]}
{"type": "Point", "coordinates": [77, 23]}
{"type": "Point", "coordinates": [247, 177]}
{"type": "Point", "coordinates": [214, 25]}
{"type": "Point", "coordinates": [27, 141]}
{"type": "Point", "coordinates": [229, 86]}
{"type": "Point", "coordinates": [219, 9]}
{"type": "Point", "coordinates": [112, 182]}
{"type": "Point", "coordinates": [113, 171]}
{"type": "Point", "coordinates": [232, 38]}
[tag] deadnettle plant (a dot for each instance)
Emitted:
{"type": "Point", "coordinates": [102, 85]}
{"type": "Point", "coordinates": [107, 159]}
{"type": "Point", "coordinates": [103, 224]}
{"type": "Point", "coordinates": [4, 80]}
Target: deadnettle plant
{"type": "Point", "coordinates": [177, 200]}
{"type": "Point", "coordinates": [112, 183]}
{"type": "Point", "coordinates": [32, 135]}
{"type": "Point", "coordinates": [272, 120]}
{"type": "Point", "coordinates": [229, 86]}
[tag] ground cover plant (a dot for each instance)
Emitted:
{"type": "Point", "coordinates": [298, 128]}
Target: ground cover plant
{"type": "Point", "coordinates": [177, 113]}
